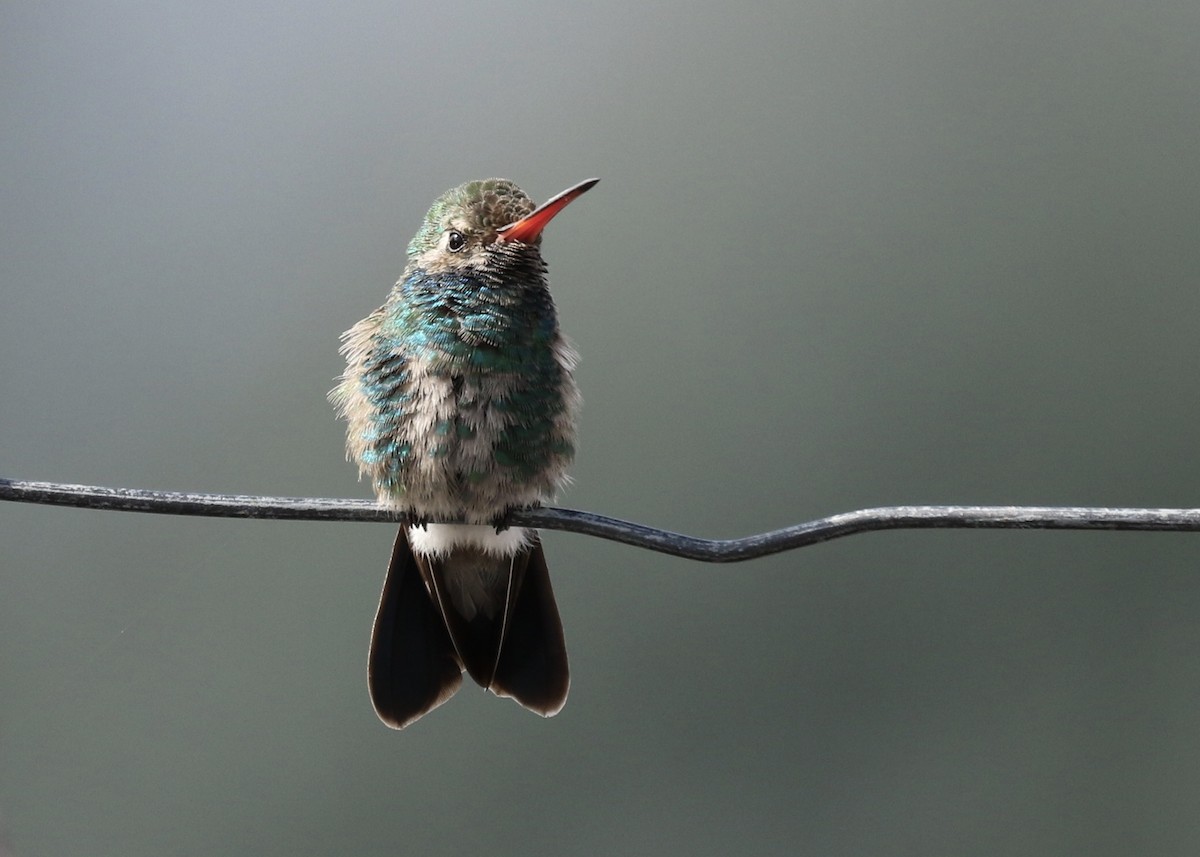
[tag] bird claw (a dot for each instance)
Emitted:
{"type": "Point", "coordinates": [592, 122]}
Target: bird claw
{"type": "Point", "coordinates": [501, 522]}
{"type": "Point", "coordinates": [412, 519]}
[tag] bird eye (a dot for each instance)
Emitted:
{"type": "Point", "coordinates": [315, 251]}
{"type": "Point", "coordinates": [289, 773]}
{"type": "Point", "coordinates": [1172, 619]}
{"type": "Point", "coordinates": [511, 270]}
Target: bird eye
{"type": "Point", "coordinates": [455, 242]}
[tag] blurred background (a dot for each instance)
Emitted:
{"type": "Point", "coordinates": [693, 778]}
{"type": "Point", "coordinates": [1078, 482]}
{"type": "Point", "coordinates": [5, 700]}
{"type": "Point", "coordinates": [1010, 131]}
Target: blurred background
{"type": "Point", "coordinates": [843, 255]}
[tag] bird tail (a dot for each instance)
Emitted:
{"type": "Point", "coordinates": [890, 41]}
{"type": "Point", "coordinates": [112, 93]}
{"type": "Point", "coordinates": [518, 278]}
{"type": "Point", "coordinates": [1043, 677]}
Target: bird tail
{"type": "Point", "coordinates": [493, 616]}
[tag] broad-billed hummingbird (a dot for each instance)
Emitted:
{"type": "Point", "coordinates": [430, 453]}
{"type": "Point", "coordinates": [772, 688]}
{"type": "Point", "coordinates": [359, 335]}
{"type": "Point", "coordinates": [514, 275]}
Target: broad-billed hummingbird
{"type": "Point", "coordinates": [461, 406]}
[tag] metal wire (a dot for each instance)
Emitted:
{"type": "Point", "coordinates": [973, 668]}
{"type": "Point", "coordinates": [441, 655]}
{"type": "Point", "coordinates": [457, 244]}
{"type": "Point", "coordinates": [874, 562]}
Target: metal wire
{"type": "Point", "coordinates": [614, 529]}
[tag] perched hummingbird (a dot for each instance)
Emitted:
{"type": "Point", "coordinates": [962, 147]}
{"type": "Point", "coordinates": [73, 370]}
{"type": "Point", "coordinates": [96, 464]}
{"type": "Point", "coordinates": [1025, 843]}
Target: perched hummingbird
{"type": "Point", "coordinates": [460, 405]}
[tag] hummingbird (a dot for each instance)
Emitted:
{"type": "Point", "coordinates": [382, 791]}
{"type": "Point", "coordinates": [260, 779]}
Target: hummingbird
{"type": "Point", "coordinates": [461, 407]}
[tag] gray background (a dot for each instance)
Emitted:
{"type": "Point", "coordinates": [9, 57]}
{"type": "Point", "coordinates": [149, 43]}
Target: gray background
{"type": "Point", "coordinates": [843, 254]}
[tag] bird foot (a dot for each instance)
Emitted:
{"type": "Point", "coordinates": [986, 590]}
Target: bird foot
{"type": "Point", "coordinates": [501, 522]}
{"type": "Point", "coordinates": [412, 519]}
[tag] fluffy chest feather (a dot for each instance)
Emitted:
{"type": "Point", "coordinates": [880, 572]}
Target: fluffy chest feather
{"type": "Point", "coordinates": [457, 408]}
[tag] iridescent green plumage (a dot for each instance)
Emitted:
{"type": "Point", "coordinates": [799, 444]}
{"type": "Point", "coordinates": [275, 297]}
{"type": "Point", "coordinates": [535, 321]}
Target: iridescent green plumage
{"type": "Point", "coordinates": [458, 391]}
{"type": "Point", "coordinates": [485, 204]}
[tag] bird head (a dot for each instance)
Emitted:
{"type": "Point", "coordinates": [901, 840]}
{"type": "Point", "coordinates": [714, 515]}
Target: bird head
{"type": "Point", "coordinates": [477, 224]}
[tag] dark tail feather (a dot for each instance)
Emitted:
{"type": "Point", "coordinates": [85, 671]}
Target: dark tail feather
{"type": "Point", "coordinates": [512, 644]}
{"type": "Point", "coordinates": [472, 589]}
{"type": "Point", "coordinates": [532, 665]}
{"type": "Point", "coordinates": [412, 667]}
